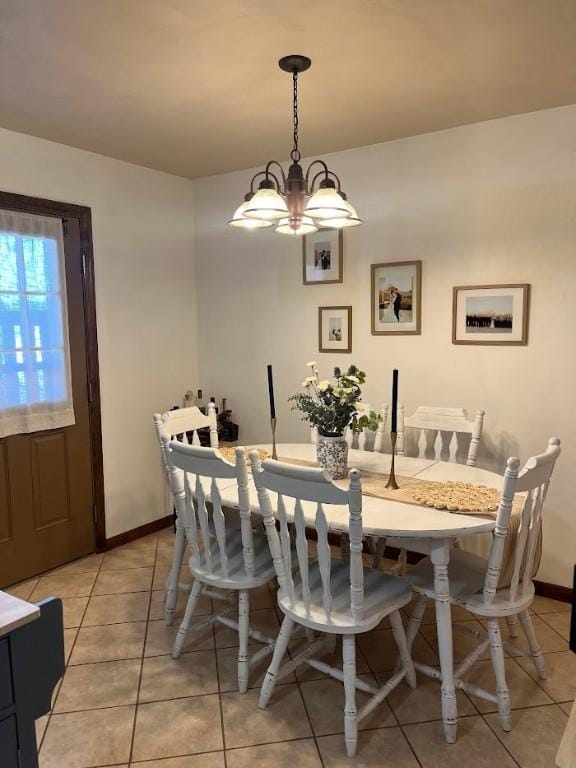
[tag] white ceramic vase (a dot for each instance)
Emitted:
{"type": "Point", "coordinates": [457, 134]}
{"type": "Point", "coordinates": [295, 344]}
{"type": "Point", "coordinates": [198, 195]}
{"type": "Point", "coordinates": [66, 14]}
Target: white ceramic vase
{"type": "Point", "coordinates": [332, 453]}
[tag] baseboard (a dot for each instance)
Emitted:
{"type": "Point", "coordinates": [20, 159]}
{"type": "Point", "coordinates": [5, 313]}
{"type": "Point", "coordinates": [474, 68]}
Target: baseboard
{"type": "Point", "coordinates": [554, 591]}
{"type": "Point", "coordinates": [139, 533]}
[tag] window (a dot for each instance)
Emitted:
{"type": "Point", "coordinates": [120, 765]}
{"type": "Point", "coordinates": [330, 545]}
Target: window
{"type": "Point", "coordinates": [35, 388]}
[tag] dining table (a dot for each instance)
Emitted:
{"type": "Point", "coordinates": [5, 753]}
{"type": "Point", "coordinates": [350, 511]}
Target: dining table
{"type": "Point", "coordinates": [409, 526]}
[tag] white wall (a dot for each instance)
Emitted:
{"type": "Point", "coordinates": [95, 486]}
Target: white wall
{"type": "Point", "coordinates": [145, 294]}
{"type": "Point", "coordinates": [488, 203]}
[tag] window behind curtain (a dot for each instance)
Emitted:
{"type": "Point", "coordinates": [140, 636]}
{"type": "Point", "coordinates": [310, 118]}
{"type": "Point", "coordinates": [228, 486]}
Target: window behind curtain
{"type": "Point", "coordinates": [35, 387]}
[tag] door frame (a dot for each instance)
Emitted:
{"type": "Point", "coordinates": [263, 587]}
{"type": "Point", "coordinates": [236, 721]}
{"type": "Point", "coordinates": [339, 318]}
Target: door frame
{"type": "Point", "coordinates": [13, 202]}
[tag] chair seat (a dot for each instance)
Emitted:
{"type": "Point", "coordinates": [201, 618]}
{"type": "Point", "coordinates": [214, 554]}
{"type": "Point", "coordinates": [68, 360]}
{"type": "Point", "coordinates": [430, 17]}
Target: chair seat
{"type": "Point", "coordinates": [466, 574]}
{"type": "Point", "coordinates": [237, 577]}
{"type": "Point", "coordinates": [383, 594]}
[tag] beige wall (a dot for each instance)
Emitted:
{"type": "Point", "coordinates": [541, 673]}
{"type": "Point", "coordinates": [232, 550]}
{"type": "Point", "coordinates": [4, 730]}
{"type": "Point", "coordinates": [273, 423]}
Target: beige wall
{"type": "Point", "coordinates": [145, 293]}
{"type": "Point", "coordinates": [488, 203]}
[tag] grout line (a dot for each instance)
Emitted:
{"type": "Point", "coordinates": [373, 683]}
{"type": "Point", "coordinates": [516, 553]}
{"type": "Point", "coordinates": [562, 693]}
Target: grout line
{"type": "Point", "coordinates": [67, 662]}
{"type": "Point", "coordinates": [143, 656]}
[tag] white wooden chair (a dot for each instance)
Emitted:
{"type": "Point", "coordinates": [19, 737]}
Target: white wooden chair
{"type": "Point", "coordinates": [474, 581]}
{"type": "Point", "coordinates": [168, 425]}
{"type": "Point", "coordinates": [232, 559]}
{"type": "Point", "coordinates": [445, 429]}
{"type": "Point", "coordinates": [332, 597]}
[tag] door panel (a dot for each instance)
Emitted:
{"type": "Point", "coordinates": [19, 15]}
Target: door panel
{"type": "Point", "coordinates": [46, 485]}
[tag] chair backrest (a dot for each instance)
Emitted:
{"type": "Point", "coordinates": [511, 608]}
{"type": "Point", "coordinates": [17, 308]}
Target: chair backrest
{"type": "Point", "coordinates": [533, 480]}
{"type": "Point", "coordinates": [359, 441]}
{"type": "Point", "coordinates": [441, 429]}
{"type": "Point", "coordinates": [205, 526]}
{"type": "Point", "coordinates": [180, 423]}
{"type": "Point", "coordinates": [303, 484]}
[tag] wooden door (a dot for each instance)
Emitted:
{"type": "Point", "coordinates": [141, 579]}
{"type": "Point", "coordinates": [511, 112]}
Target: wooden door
{"type": "Point", "coordinates": [46, 478]}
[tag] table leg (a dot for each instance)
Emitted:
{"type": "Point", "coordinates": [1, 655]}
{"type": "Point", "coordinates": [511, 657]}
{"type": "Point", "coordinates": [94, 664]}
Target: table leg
{"type": "Point", "coordinates": [440, 556]}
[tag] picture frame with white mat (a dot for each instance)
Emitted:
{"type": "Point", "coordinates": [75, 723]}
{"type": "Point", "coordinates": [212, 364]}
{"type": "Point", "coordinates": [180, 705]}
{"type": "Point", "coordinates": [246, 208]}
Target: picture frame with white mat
{"type": "Point", "coordinates": [335, 329]}
{"type": "Point", "coordinates": [323, 257]}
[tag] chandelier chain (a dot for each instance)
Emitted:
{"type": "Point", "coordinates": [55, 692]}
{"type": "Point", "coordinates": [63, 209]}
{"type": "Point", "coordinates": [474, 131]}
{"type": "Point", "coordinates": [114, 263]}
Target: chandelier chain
{"type": "Point", "coordinates": [295, 154]}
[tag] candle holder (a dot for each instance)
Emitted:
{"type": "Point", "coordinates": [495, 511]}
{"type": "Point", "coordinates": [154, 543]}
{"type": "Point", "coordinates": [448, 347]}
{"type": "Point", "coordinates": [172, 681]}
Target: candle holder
{"type": "Point", "coordinates": [273, 427]}
{"type": "Point", "coordinates": [392, 479]}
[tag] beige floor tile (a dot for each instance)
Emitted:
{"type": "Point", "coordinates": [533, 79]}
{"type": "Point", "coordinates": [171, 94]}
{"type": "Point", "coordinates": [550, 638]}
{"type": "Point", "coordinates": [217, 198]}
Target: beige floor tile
{"type": "Point", "coordinates": [160, 638]}
{"type": "Point", "coordinates": [130, 580]}
{"type": "Point", "coordinates": [381, 652]}
{"type": "Point", "coordinates": [524, 691]}
{"type": "Point", "coordinates": [547, 637]}
{"type": "Point", "coordinates": [87, 564]}
{"type": "Point", "coordinates": [324, 701]}
{"type": "Point", "coordinates": [179, 727]}
{"type": "Point", "coordinates": [546, 605]}
{"type": "Point", "coordinates": [378, 748]}
{"type": "Point", "coordinates": [288, 754]}
{"type": "Point", "coordinates": [261, 598]}
{"type": "Point", "coordinates": [264, 621]}
{"type": "Point", "coordinates": [560, 683]}
{"type": "Point", "coordinates": [116, 609]}
{"type": "Point", "coordinates": [94, 686]}
{"type": "Point", "coordinates": [161, 575]}
{"type": "Point", "coordinates": [82, 739]}
{"type": "Point", "coordinates": [40, 725]}
{"type": "Point", "coordinates": [535, 735]}
{"type": "Point", "coordinates": [64, 585]}
{"type": "Point", "coordinates": [73, 608]}
{"type": "Point", "coordinates": [70, 636]}
{"type": "Point", "coordinates": [424, 702]}
{"type": "Point", "coordinates": [567, 707]}
{"type": "Point", "coordinates": [475, 746]}
{"type": "Point", "coordinates": [462, 644]}
{"type": "Point", "coordinates": [109, 643]}
{"type": "Point", "coordinates": [158, 602]}
{"type": "Point", "coordinates": [119, 559]}
{"type": "Point", "coordinates": [246, 725]}
{"type": "Point", "coordinates": [560, 622]}
{"type": "Point", "coordinates": [22, 590]}
{"type": "Point", "coordinates": [207, 760]}
{"type": "Point", "coordinates": [191, 674]}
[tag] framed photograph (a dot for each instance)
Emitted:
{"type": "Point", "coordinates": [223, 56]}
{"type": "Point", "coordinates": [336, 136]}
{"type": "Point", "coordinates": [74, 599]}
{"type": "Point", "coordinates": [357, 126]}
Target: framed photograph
{"type": "Point", "coordinates": [490, 314]}
{"type": "Point", "coordinates": [335, 329]}
{"type": "Point", "coordinates": [322, 257]}
{"type": "Point", "coordinates": [396, 298]}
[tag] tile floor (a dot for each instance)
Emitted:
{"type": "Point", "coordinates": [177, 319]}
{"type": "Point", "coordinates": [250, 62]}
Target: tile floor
{"type": "Point", "coordinates": [124, 702]}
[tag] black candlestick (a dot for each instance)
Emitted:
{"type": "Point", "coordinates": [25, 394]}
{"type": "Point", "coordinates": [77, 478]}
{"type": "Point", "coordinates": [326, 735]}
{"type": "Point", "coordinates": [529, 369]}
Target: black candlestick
{"type": "Point", "coordinates": [394, 400]}
{"type": "Point", "coordinates": [392, 479]}
{"type": "Point", "coordinates": [271, 393]}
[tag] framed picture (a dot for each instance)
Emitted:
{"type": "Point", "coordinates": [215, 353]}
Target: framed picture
{"type": "Point", "coordinates": [490, 314]}
{"type": "Point", "coordinates": [335, 329]}
{"type": "Point", "coordinates": [396, 297]}
{"type": "Point", "coordinates": [322, 257]}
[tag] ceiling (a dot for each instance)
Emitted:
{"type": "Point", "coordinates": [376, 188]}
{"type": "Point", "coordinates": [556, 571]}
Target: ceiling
{"type": "Point", "coordinates": [191, 86]}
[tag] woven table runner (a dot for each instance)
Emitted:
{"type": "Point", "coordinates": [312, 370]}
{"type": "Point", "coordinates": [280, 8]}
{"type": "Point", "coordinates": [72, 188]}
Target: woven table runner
{"type": "Point", "coordinates": [374, 484]}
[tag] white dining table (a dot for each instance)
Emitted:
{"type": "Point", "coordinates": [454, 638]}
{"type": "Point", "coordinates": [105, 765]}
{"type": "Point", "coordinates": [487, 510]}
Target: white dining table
{"type": "Point", "coordinates": [416, 528]}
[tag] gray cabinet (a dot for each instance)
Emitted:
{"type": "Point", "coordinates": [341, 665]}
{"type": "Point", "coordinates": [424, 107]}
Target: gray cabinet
{"type": "Point", "coordinates": [31, 663]}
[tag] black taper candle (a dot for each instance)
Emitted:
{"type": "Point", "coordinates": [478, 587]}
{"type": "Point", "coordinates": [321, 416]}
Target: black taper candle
{"type": "Point", "coordinates": [394, 400]}
{"type": "Point", "coordinates": [271, 393]}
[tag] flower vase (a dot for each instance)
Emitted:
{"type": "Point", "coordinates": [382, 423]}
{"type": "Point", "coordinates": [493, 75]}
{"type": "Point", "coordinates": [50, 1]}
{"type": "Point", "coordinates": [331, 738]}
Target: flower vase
{"type": "Point", "coordinates": [332, 454]}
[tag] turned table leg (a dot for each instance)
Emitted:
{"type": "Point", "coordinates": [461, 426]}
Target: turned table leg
{"type": "Point", "coordinates": [440, 556]}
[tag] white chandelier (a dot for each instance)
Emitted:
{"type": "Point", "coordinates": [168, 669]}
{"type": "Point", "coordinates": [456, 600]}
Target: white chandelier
{"type": "Point", "coordinates": [298, 203]}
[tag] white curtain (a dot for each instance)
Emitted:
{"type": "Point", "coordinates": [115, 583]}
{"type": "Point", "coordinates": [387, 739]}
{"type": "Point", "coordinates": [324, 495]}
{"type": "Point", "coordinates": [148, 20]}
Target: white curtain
{"type": "Point", "coordinates": [35, 384]}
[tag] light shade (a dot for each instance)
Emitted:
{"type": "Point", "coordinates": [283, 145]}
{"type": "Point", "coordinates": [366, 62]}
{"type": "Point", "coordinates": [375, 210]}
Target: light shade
{"type": "Point", "coordinates": [305, 226]}
{"type": "Point", "coordinates": [327, 203]}
{"type": "Point", "coordinates": [243, 222]}
{"type": "Point", "coordinates": [266, 204]}
{"type": "Point", "coordinates": [339, 222]}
